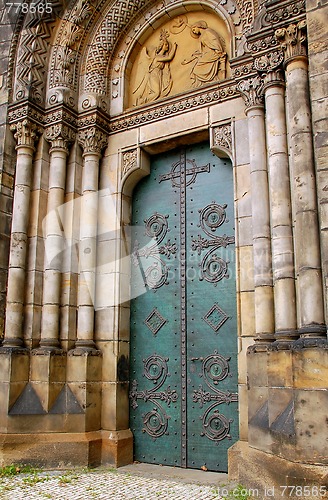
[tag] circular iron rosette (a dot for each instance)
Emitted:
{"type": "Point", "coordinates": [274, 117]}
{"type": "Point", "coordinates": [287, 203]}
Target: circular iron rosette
{"type": "Point", "coordinates": [213, 268]}
{"type": "Point", "coordinates": [215, 369]}
{"type": "Point", "coordinates": [155, 422]}
{"type": "Point", "coordinates": [156, 369]}
{"type": "Point", "coordinates": [211, 217]}
{"type": "Point", "coordinates": [216, 426]}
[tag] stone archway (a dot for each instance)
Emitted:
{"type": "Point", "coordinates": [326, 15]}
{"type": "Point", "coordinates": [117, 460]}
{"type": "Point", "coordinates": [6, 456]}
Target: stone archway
{"type": "Point", "coordinates": [65, 365]}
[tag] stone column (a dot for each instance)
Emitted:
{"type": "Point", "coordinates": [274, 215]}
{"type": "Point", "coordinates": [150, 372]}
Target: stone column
{"type": "Point", "coordinates": [280, 198]}
{"type": "Point", "coordinates": [252, 91]}
{"type": "Point", "coordinates": [92, 141]}
{"type": "Point", "coordinates": [305, 213]}
{"type": "Point", "coordinates": [59, 137]}
{"type": "Point", "coordinates": [25, 134]}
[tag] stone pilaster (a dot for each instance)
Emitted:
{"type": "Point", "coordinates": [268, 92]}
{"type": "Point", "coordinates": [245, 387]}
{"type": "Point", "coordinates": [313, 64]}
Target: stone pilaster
{"type": "Point", "coordinates": [280, 197]}
{"type": "Point", "coordinates": [305, 213]}
{"type": "Point", "coordinates": [26, 133]}
{"type": "Point", "coordinates": [252, 92]}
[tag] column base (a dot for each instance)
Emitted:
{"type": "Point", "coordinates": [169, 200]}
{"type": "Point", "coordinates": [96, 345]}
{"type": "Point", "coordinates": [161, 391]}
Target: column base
{"type": "Point", "coordinates": [117, 447]}
{"type": "Point", "coordinates": [52, 450]}
{"type": "Point", "coordinates": [66, 450]}
{"type": "Point", "coordinates": [269, 474]}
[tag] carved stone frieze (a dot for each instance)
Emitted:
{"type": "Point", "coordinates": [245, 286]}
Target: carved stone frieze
{"type": "Point", "coordinates": [261, 44]}
{"type": "Point", "coordinates": [293, 9]}
{"type": "Point", "coordinates": [292, 40]}
{"type": "Point", "coordinates": [26, 132]}
{"type": "Point", "coordinates": [94, 117]}
{"type": "Point", "coordinates": [26, 110]}
{"type": "Point", "coordinates": [242, 70]}
{"type": "Point", "coordinates": [92, 140]}
{"type": "Point", "coordinates": [252, 91]}
{"type": "Point", "coordinates": [61, 115]}
{"type": "Point", "coordinates": [199, 99]}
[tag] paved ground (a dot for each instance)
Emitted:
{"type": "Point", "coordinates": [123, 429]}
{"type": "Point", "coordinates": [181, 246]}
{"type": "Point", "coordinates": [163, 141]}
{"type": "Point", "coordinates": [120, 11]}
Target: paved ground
{"type": "Point", "coordinates": [133, 482]}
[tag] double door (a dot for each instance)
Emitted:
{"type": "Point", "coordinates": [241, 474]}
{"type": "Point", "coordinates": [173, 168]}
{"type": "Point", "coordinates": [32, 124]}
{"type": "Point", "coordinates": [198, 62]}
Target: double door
{"type": "Point", "coordinates": [183, 375]}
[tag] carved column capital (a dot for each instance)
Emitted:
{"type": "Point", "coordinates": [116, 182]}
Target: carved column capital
{"type": "Point", "coordinates": [270, 68]}
{"type": "Point", "coordinates": [26, 132]}
{"type": "Point", "coordinates": [92, 140]}
{"type": "Point", "coordinates": [252, 92]}
{"type": "Point", "coordinates": [292, 40]}
{"type": "Point", "coordinates": [59, 136]}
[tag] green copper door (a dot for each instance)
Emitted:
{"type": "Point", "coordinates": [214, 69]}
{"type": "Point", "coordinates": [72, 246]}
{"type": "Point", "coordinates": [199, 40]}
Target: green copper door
{"type": "Point", "coordinates": [183, 388]}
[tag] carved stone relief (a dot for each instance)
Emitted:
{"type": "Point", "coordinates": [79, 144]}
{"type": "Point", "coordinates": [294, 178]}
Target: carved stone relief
{"type": "Point", "coordinates": [188, 52]}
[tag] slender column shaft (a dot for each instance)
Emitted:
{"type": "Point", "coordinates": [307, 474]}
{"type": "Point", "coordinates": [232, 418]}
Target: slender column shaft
{"type": "Point", "coordinates": [264, 317]}
{"type": "Point", "coordinates": [281, 217]}
{"type": "Point", "coordinates": [53, 248]}
{"type": "Point", "coordinates": [88, 251]}
{"type": "Point", "coordinates": [306, 233]}
{"type": "Point", "coordinates": [18, 247]}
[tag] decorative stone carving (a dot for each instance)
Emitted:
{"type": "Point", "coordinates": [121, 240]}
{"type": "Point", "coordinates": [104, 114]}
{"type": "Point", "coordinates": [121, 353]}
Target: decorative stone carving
{"type": "Point", "coordinates": [270, 65]}
{"type": "Point", "coordinates": [92, 140]}
{"type": "Point", "coordinates": [200, 99]}
{"type": "Point", "coordinates": [261, 44]}
{"type": "Point", "coordinates": [292, 40]}
{"type": "Point", "coordinates": [242, 71]}
{"type": "Point", "coordinates": [222, 137]}
{"type": "Point", "coordinates": [286, 12]}
{"type": "Point", "coordinates": [59, 136]}
{"type": "Point", "coordinates": [129, 160]}
{"type": "Point", "coordinates": [269, 61]}
{"type": "Point", "coordinates": [252, 91]}
{"type": "Point", "coordinates": [103, 43]}
{"type": "Point", "coordinates": [66, 51]}
{"type": "Point", "coordinates": [209, 62]}
{"type": "Point", "coordinates": [246, 9]}
{"type": "Point", "coordinates": [25, 132]}
{"type": "Point", "coordinates": [156, 80]}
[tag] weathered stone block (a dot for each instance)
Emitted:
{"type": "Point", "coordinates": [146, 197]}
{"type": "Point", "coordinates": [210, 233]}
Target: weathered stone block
{"type": "Point", "coordinates": [311, 408]}
{"type": "Point", "coordinates": [257, 367]}
{"type": "Point", "coordinates": [310, 369]}
{"type": "Point", "coordinates": [280, 369]}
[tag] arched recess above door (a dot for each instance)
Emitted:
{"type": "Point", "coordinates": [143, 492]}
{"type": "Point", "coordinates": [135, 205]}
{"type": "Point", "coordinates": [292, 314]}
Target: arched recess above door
{"type": "Point", "coordinates": [108, 60]}
{"type": "Point", "coordinates": [186, 52]}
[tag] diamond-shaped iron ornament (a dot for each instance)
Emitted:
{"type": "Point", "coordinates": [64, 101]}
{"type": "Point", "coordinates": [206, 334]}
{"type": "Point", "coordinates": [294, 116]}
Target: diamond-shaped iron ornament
{"type": "Point", "coordinates": [155, 321]}
{"type": "Point", "coordinates": [215, 317]}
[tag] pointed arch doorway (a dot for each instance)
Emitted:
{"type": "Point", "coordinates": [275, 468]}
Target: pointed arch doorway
{"type": "Point", "coordinates": [183, 388]}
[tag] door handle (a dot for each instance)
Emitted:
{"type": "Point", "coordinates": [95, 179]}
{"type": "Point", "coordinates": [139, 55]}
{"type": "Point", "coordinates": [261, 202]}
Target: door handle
{"type": "Point", "coordinates": [196, 359]}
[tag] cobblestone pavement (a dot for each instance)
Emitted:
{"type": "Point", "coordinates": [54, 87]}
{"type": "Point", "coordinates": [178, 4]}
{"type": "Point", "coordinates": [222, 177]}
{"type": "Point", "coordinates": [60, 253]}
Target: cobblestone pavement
{"type": "Point", "coordinates": [111, 484]}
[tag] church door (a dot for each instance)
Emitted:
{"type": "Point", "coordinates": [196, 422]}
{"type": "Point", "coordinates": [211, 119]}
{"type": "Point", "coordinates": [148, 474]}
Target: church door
{"type": "Point", "coordinates": [183, 387]}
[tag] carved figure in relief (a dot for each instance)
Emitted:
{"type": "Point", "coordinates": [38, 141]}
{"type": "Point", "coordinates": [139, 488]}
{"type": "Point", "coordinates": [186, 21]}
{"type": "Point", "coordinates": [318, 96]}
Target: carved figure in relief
{"type": "Point", "coordinates": [209, 62]}
{"type": "Point", "coordinates": [157, 80]}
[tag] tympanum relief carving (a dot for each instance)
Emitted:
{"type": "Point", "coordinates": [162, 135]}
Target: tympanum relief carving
{"type": "Point", "coordinates": [187, 52]}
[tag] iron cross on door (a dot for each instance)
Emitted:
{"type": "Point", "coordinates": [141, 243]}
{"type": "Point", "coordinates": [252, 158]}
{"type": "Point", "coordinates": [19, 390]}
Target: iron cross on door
{"type": "Point", "coordinates": [183, 389]}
